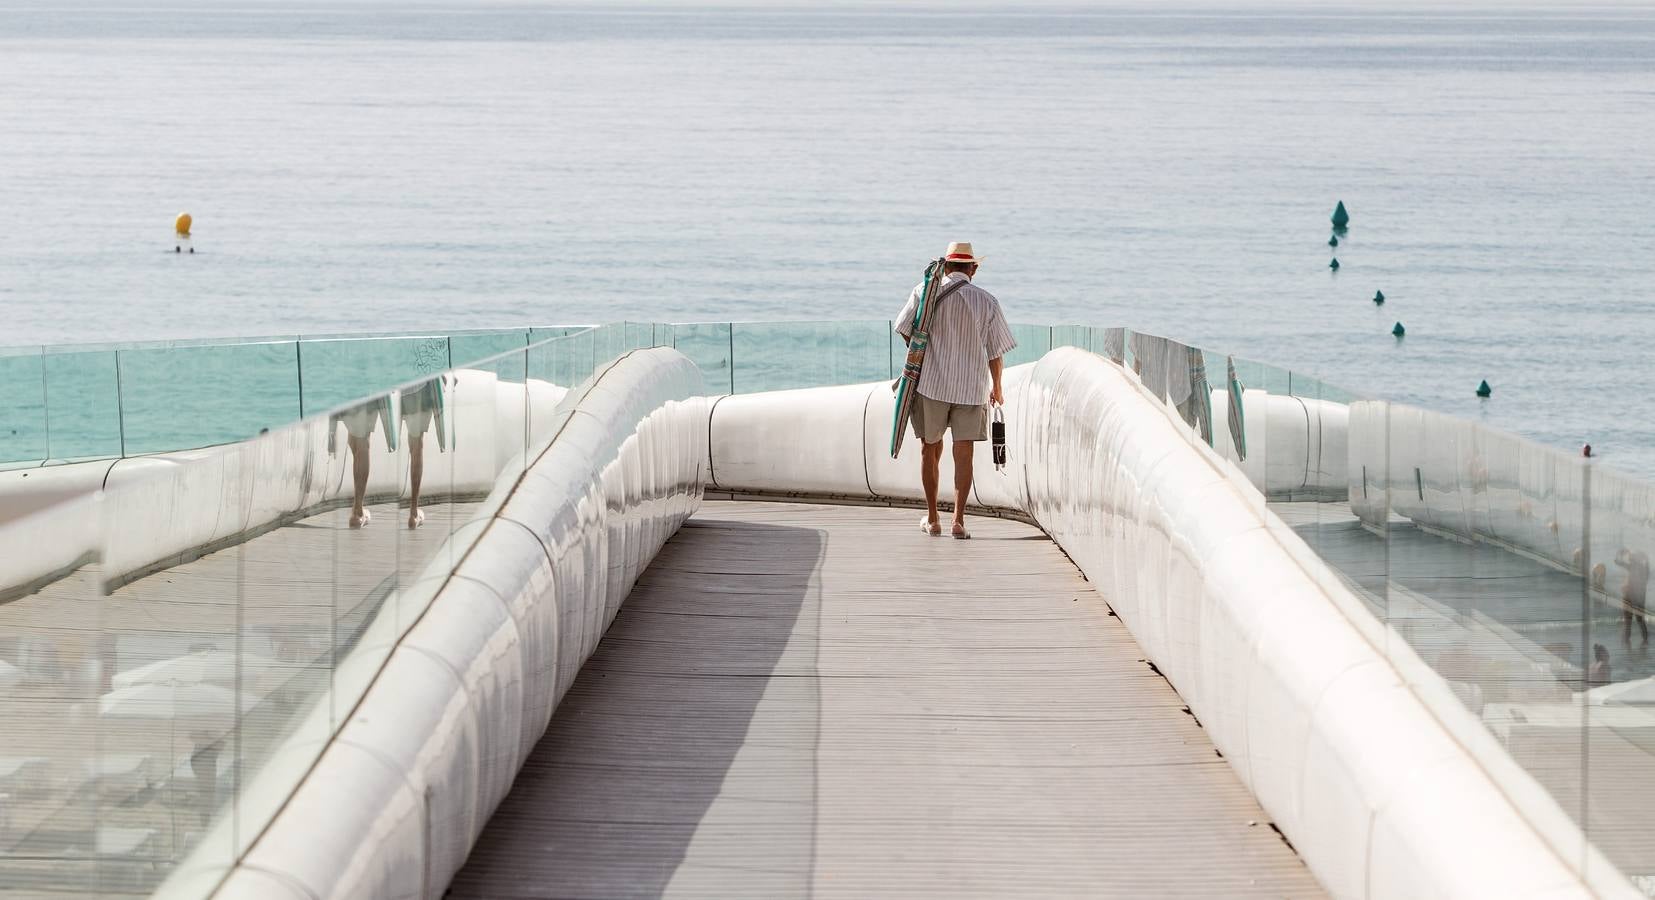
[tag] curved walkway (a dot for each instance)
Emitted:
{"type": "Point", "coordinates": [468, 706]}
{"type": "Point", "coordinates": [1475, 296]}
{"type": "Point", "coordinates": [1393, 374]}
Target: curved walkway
{"type": "Point", "coordinates": [819, 701]}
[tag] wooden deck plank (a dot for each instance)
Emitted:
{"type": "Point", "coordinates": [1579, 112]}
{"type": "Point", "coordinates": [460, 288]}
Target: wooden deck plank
{"type": "Point", "coordinates": [780, 710]}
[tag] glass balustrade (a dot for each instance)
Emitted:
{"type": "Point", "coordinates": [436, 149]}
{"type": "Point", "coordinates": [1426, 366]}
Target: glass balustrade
{"type": "Point", "coordinates": [165, 682]}
{"type": "Point", "coordinates": [181, 647]}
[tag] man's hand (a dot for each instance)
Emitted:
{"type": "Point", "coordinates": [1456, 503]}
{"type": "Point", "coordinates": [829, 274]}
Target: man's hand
{"type": "Point", "coordinates": [996, 397]}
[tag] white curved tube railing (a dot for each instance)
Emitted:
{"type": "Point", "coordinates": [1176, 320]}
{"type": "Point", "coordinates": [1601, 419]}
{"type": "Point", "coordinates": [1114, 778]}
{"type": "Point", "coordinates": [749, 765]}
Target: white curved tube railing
{"type": "Point", "coordinates": [481, 648]}
{"type": "Point", "coordinates": [1259, 637]}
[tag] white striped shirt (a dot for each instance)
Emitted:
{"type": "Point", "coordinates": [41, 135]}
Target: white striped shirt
{"type": "Point", "coordinates": [967, 331]}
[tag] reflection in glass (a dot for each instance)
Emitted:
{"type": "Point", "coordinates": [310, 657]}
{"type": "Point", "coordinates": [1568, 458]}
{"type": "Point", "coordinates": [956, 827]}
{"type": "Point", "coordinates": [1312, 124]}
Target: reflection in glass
{"type": "Point", "coordinates": [422, 406]}
{"type": "Point", "coordinates": [359, 423]}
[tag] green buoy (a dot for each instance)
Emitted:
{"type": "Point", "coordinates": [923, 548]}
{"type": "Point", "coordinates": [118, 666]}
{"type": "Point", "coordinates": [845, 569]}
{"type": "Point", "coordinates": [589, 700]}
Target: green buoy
{"type": "Point", "coordinates": [1333, 241]}
{"type": "Point", "coordinates": [1378, 298]}
{"type": "Point", "coordinates": [1340, 217]}
{"type": "Point", "coordinates": [1334, 265]}
{"type": "Point", "coordinates": [1483, 390]}
{"type": "Point", "coordinates": [1398, 330]}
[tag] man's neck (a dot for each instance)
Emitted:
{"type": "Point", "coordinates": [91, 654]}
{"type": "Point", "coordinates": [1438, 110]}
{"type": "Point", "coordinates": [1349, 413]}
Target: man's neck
{"type": "Point", "coordinates": [965, 275]}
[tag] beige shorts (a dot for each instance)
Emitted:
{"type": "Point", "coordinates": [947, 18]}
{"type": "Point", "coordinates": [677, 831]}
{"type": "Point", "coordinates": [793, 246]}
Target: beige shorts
{"type": "Point", "coordinates": [932, 417]}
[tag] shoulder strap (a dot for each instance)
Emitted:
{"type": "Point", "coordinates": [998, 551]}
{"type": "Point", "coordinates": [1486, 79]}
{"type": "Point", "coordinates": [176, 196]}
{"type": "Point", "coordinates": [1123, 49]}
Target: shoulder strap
{"type": "Point", "coordinates": [951, 289]}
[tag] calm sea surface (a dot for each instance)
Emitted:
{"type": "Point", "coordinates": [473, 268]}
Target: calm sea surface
{"type": "Point", "coordinates": [374, 167]}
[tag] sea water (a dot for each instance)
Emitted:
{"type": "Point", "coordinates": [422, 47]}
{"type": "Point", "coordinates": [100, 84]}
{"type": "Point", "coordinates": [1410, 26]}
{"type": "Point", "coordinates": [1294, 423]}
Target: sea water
{"type": "Point", "coordinates": [387, 167]}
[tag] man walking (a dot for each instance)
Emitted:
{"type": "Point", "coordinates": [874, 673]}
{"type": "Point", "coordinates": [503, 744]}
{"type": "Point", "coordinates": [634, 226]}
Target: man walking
{"type": "Point", "coordinates": [960, 378]}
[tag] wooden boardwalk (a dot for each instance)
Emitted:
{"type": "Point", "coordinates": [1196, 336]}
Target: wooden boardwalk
{"type": "Point", "coordinates": [779, 711]}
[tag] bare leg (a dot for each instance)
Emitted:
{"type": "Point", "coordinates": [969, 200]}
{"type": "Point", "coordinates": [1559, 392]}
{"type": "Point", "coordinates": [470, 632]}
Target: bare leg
{"type": "Point", "coordinates": [930, 469]}
{"type": "Point", "coordinates": [416, 469]}
{"type": "Point", "coordinates": [962, 481]}
{"type": "Point", "coordinates": [359, 475]}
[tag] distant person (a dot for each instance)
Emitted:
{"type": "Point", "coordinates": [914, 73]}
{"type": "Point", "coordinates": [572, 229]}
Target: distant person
{"type": "Point", "coordinates": [1598, 671]}
{"type": "Point", "coordinates": [1634, 593]}
{"type": "Point", "coordinates": [961, 377]}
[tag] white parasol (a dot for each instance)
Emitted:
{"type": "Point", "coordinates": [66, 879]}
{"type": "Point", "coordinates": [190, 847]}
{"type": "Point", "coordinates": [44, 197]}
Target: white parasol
{"type": "Point", "coordinates": [213, 666]}
{"type": "Point", "coordinates": [173, 701]}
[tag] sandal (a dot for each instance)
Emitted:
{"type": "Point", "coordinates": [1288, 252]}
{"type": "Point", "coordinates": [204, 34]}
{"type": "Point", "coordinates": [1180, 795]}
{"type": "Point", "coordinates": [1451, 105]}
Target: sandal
{"type": "Point", "coordinates": [962, 534]}
{"type": "Point", "coordinates": [416, 520]}
{"type": "Point", "coordinates": [930, 529]}
{"type": "Point", "coordinates": [363, 521]}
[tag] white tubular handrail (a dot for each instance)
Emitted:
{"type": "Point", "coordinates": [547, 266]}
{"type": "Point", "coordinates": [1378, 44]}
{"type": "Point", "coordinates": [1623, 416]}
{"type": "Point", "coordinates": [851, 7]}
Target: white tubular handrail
{"type": "Point", "coordinates": [1281, 663]}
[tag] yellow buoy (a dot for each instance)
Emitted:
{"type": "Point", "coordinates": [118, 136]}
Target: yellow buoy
{"type": "Point", "coordinates": [182, 223]}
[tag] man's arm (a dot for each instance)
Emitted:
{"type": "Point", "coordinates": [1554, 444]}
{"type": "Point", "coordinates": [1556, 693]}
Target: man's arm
{"type": "Point", "coordinates": [904, 325]}
{"type": "Point", "coordinates": [998, 341]}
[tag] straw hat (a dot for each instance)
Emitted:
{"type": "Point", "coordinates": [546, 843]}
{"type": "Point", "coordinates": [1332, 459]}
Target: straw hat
{"type": "Point", "coordinates": [960, 252]}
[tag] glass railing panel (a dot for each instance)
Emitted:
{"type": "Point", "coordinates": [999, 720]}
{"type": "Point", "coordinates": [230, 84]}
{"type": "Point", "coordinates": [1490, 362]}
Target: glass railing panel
{"type": "Point", "coordinates": [1033, 342]}
{"type": "Point", "coordinates": [83, 406]}
{"type": "Point", "coordinates": [617, 338]}
{"type": "Point", "coordinates": [784, 355]}
{"type": "Point", "coordinates": [1619, 704]}
{"type": "Point", "coordinates": [1147, 357]}
{"type": "Point", "coordinates": [709, 346]}
{"type": "Point", "coordinates": [170, 721]}
{"type": "Point", "coordinates": [334, 372]}
{"type": "Point", "coordinates": [287, 649]}
{"type": "Point", "coordinates": [1484, 595]}
{"type": "Point", "coordinates": [1276, 380]}
{"type": "Point", "coordinates": [174, 398]}
{"type": "Point", "coordinates": [367, 436]}
{"type": "Point", "coordinates": [468, 347]}
{"type": "Point", "coordinates": [456, 427]}
{"type": "Point", "coordinates": [522, 404]}
{"type": "Point", "coordinates": [23, 435]}
{"type": "Point", "coordinates": [55, 663]}
{"type": "Point", "coordinates": [1114, 345]}
{"type": "Point", "coordinates": [1070, 336]}
{"type": "Point", "coordinates": [541, 333]}
{"type": "Point", "coordinates": [1330, 522]}
{"type": "Point", "coordinates": [564, 361]}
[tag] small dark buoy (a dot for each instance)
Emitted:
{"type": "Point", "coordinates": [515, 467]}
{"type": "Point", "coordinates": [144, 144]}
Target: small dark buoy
{"type": "Point", "coordinates": [1333, 241]}
{"type": "Point", "coordinates": [1334, 265]}
{"type": "Point", "coordinates": [1398, 330]}
{"type": "Point", "coordinates": [1483, 390]}
{"type": "Point", "coordinates": [177, 249]}
{"type": "Point", "coordinates": [1378, 298]}
{"type": "Point", "coordinates": [1340, 217]}
{"type": "Point", "coordinates": [1586, 451]}
{"type": "Point", "coordinates": [192, 249]}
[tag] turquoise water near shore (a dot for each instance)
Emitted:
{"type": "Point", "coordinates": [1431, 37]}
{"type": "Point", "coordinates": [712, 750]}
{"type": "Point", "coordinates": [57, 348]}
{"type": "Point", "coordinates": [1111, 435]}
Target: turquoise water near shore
{"type": "Point", "coordinates": [369, 167]}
